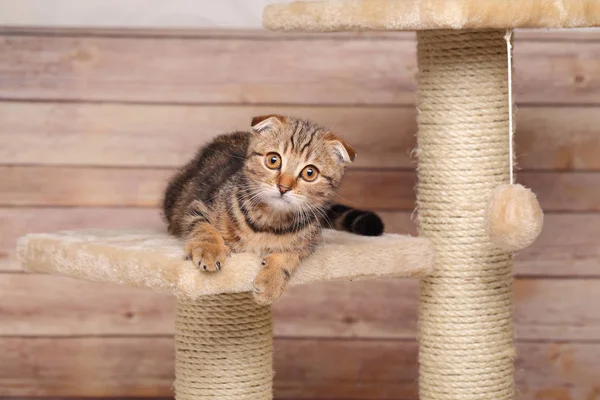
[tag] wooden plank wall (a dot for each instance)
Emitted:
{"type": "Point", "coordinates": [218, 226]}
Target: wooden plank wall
{"type": "Point", "coordinates": [93, 123]}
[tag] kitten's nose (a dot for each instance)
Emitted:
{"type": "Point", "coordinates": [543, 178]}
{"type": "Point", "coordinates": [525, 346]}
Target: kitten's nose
{"type": "Point", "coordinates": [283, 189]}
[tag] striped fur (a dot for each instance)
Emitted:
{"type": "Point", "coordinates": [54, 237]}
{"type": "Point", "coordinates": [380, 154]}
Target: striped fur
{"type": "Point", "coordinates": [266, 191]}
{"type": "Point", "coordinates": [344, 218]}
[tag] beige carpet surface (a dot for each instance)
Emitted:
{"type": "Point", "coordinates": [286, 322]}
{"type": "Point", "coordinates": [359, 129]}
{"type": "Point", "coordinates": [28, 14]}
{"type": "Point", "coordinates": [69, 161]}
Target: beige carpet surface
{"type": "Point", "coordinates": [382, 15]}
{"type": "Point", "coordinates": [154, 260]}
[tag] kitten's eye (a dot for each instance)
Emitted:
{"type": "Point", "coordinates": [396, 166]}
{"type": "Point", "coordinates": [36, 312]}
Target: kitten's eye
{"type": "Point", "coordinates": [273, 161]}
{"type": "Point", "coordinates": [309, 173]}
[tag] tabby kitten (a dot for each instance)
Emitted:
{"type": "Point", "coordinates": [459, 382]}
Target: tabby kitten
{"type": "Point", "coordinates": [267, 191]}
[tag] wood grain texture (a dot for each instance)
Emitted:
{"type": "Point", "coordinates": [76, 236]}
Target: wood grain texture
{"type": "Point", "coordinates": [41, 305]}
{"type": "Point", "coordinates": [40, 186]}
{"type": "Point", "coordinates": [38, 305]}
{"type": "Point", "coordinates": [557, 138]}
{"type": "Point", "coordinates": [306, 369]}
{"type": "Point", "coordinates": [300, 71]}
{"type": "Point", "coordinates": [568, 245]}
{"type": "Point", "coordinates": [563, 35]}
{"type": "Point", "coordinates": [567, 192]}
{"type": "Point", "coordinates": [206, 70]}
{"type": "Point", "coordinates": [372, 189]}
{"type": "Point", "coordinates": [127, 135]}
{"type": "Point", "coordinates": [230, 33]}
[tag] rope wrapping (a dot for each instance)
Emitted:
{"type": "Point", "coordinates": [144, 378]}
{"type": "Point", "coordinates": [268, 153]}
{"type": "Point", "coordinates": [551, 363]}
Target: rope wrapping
{"type": "Point", "coordinates": [466, 305]}
{"type": "Point", "coordinates": [223, 349]}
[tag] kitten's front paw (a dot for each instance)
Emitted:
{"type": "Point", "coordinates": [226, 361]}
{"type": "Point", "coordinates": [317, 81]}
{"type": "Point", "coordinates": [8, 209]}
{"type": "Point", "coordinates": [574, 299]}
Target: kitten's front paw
{"type": "Point", "coordinates": [269, 283]}
{"type": "Point", "coordinates": [207, 256]}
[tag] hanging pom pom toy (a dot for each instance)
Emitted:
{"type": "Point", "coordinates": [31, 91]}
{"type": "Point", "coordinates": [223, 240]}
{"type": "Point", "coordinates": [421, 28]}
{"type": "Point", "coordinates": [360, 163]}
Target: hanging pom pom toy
{"type": "Point", "coordinates": [514, 217]}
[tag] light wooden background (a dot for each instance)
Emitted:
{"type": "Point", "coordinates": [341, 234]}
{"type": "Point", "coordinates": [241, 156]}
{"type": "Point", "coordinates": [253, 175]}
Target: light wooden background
{"type": "Point", "coordinates": [93, 122]}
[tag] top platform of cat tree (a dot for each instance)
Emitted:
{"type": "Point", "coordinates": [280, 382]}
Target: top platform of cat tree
{"type": "Point", "coordinates": [154, 260]}
{"type": "Point", "coordinates": [411, 15]}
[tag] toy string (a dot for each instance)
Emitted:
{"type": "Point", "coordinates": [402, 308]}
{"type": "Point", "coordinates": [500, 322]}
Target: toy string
{"type": "Point", "coordinates": [511, 132]}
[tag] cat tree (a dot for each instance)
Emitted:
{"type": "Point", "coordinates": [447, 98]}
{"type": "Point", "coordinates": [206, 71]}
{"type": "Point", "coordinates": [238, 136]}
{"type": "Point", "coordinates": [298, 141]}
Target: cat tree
{"type": "Point", "coordinates": [465, 160]}
{"type": "Point", "coordinates": [223, 339]}
{"type": "Point", "coordinates": [467, 215]}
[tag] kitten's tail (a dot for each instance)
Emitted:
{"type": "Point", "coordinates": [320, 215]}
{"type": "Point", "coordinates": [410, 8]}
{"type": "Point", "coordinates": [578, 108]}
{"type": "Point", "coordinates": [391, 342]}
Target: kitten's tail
{"type": "Point", "coordinates": [344, 218]}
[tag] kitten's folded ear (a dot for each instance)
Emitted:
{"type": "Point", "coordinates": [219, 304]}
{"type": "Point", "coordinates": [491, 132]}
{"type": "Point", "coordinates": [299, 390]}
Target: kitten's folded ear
{"type": "Point", "coordinates": [265, 122]}
{"type": "Point", "coordinates": [345, 152]}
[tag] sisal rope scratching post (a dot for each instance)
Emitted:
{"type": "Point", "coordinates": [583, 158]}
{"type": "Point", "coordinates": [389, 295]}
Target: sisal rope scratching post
{"type": "Point", "coordinates": [223, 348]}
{"type": "Point", "coordinates": [466, 308]}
